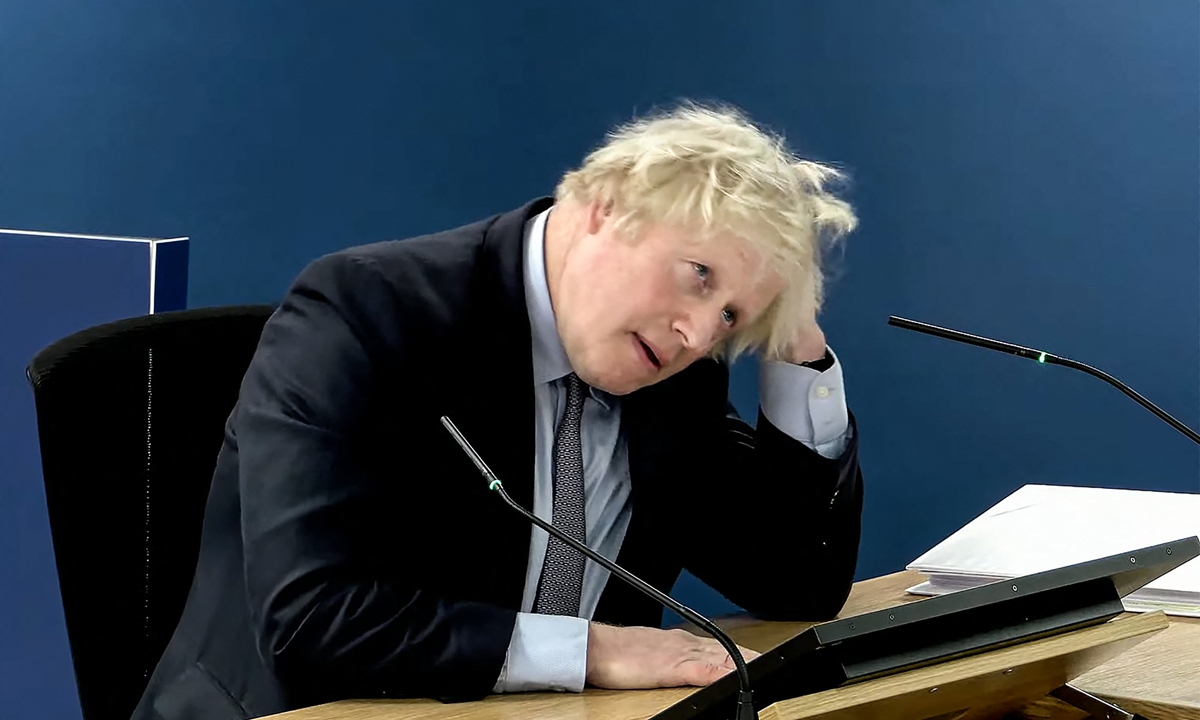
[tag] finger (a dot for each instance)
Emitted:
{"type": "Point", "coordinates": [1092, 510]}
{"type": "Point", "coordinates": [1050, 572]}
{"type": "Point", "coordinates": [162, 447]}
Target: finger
{"type": "Point", "coordinates": [747, 655]}
{"type": "Point", "coordinates": [724, 659]}
{"type": "Point", "coordinates": [703, 673]}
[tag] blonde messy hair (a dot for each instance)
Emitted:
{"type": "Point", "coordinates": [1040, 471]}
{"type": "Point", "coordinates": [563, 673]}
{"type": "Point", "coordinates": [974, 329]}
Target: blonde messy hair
{"type": "Point", "coordinates": [710, 170]}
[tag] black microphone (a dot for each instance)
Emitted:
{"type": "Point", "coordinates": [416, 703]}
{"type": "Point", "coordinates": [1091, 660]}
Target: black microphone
{"type": "Point", "coordinates": [1046, 359]}
{"type": "Point", "coordinates": [745, 704]}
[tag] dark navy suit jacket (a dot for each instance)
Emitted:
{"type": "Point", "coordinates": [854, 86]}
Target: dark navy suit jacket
{"type": "Point", "coordinates": [351, 550]}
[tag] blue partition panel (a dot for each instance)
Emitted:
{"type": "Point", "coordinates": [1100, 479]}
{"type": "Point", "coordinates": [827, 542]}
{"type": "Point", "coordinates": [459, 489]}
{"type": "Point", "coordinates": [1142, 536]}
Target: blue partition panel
{"type": "Point", "coordinates": [51, 286]}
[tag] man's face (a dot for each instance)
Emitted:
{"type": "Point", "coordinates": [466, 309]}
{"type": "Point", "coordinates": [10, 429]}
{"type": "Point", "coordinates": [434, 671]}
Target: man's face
{"type": "Point", "coordinates": [634, 312]}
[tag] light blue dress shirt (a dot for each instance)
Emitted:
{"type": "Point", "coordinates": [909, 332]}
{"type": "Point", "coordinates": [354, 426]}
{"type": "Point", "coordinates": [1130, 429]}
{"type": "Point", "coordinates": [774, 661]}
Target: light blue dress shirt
{"type": "Point", "coordinates": [549, 652]}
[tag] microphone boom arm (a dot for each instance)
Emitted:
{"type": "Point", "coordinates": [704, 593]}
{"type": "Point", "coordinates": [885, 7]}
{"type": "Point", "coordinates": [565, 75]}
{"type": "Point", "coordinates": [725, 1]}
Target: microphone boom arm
{"type": "Point", "coordinates": [1046, 359]}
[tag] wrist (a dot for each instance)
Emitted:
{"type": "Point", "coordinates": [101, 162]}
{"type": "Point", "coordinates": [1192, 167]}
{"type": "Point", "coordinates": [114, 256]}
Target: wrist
{"type": "Point", "coordinates": [597, 641]}
{"type": "Point", "coordinates": [821, 364]}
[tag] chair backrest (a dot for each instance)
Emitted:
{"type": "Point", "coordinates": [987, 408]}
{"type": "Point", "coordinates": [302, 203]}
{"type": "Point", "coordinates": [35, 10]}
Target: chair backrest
{"type": "Point", "coordinates": [130, 419]}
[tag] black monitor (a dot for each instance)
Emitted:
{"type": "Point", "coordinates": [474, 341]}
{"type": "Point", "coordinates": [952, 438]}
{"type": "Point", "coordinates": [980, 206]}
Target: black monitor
{"type": "Point", "coordinates": [934, 630]}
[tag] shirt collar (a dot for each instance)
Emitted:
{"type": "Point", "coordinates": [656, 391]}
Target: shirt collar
{"type": "Point", "coordinates": [549, 358]}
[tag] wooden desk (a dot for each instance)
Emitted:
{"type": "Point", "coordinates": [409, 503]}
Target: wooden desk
{"type": "Point", "coordinates": [1160, 678]}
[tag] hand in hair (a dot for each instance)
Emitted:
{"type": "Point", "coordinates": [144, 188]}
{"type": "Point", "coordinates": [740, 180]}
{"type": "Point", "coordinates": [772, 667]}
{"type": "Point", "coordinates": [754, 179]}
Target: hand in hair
{"type": "Point", "coordinates": [807, 344]}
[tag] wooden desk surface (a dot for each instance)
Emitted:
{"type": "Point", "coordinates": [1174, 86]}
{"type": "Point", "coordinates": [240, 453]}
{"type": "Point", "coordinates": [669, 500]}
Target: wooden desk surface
{"type": "Point", "coordinates": [1159, 678]}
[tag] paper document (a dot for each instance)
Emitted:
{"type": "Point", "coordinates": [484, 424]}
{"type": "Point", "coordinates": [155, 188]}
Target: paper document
{"type": "Point", "coordinates": [1042, 527]}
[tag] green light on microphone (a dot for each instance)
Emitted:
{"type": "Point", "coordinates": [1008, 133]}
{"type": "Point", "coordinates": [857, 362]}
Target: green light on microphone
{"type": "Point", "coordinates": [493, 484]}
{"type": "Point", "coordinates": [1042, 358]}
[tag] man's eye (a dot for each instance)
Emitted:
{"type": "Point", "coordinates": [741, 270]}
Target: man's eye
{"type": "Point", "coordinates": [729, 316]}
{"type": "Point", "coordinates": [701, 271]}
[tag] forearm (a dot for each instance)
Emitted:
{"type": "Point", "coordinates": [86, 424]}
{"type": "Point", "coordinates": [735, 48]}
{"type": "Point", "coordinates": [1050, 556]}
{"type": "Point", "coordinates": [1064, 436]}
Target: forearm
{"type": "Point", "coordinates": [801, 515]}
{"type": "Point", "coordinates": [371, 639]}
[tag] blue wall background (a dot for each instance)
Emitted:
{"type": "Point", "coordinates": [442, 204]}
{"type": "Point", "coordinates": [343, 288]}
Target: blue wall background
{"type": "Point", "coordinates": [1026, 169]}
{"type": "Point", "coordinates": [51, 287]}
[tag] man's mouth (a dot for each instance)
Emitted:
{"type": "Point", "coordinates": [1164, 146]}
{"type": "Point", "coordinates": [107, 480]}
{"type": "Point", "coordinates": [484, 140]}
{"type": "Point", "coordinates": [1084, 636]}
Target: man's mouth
{"type": "Point", "coordinates": [650, 355]}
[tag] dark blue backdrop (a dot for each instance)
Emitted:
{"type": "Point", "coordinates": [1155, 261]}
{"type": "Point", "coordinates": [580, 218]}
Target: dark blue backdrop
{"type": "Point", "coordinates": [1024, 168]}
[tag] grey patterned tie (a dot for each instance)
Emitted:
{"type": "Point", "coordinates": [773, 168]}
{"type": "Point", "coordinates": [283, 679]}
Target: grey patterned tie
{"type": "Point", "coordinates": [561, 583]}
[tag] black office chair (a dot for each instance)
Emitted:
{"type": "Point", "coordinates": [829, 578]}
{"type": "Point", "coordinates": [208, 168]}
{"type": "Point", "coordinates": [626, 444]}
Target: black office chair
{"type": "Point", "coordinates": [130, 419]}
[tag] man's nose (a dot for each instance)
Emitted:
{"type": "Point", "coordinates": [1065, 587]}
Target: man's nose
{"type": "Point", "coordinates": [699, 330]}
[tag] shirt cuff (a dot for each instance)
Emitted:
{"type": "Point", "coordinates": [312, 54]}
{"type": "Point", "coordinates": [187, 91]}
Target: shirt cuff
{"type": "Point", "coordinates": [546, 652]}
{"type": "Point", "coordinates": [806, 404]}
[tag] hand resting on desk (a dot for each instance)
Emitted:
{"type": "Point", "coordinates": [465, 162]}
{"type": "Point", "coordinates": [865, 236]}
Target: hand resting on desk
{"type": "Point", "coordinates": [628, 658]}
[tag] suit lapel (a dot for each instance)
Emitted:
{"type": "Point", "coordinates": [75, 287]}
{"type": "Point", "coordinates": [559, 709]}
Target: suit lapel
{"type": "Point", "coordinates": [497, 412]}
{"type": "Point", "coordinates": [505, 352]}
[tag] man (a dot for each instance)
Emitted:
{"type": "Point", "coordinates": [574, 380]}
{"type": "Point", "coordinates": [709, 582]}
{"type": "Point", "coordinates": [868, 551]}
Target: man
{"type": "Point", "coordinates": [349, 549]}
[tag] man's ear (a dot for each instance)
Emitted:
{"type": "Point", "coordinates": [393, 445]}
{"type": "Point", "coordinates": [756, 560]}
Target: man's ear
{"type": "Point", "coordinates": [598, 212]}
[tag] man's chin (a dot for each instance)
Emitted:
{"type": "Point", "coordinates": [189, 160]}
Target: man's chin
{"type": "Point", "coordinates": [617, 385]}
{"type": "Point", "coordinates": [626, 385]}
{"type": "Point", "coordinates": [618, 389]}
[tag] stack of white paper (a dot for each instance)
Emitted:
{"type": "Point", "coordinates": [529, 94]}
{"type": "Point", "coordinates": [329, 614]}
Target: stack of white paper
{"type": "Point", "coordinates": [1042, 527]}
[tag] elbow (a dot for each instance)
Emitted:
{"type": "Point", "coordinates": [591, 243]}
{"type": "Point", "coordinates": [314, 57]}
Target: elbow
{"type": "Point", "coordinates": [807, 607]}
{"type": "Point", "coordinates": [806, 603]}
{"type": "Point", "coordinates": [829, 604]}
{"type": "Point", "coordinates": [336, 640]}
{"type": "Point", "coordinates": [286, 637]}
